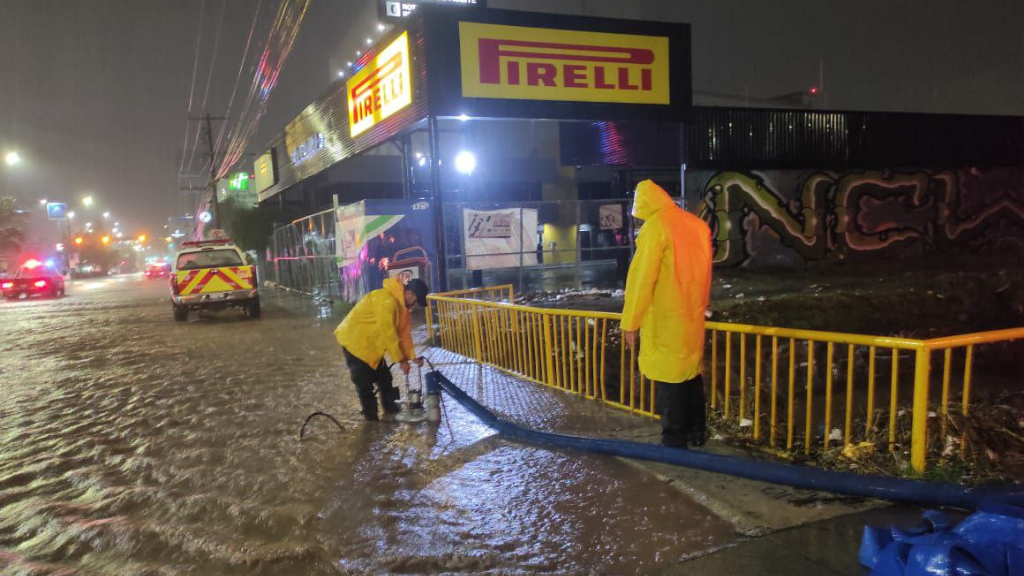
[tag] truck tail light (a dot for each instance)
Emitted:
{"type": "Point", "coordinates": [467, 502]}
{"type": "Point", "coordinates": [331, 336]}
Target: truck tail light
{"type": "Point", "coordinates": [174, 285]}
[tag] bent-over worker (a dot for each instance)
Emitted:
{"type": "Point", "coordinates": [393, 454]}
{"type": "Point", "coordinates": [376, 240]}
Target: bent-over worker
{"type": "Point", "coordinates": [381, 322]}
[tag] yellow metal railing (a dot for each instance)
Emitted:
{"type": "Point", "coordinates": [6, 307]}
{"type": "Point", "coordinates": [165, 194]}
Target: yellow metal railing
{"type": "Point", "coordinates": [501, 293]}
{"type": "Point", "coordinates": [582, 352]}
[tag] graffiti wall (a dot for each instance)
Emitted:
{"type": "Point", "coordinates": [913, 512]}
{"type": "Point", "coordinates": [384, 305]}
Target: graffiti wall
{"type": "Point", "coordinates": [788, 218]}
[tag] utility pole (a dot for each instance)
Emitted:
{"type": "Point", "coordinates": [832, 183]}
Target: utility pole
{"type": "Point", "coordinates": [211, 186]}
{"type": "Point", "coordinates": [213, 174]}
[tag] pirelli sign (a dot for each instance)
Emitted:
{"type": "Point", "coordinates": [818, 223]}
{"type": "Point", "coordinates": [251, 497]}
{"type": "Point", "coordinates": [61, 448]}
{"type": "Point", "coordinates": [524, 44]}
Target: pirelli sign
{"type": "Point", "coordinates": [382, 87]}
{"type": "Point", "coordinates": [526, 63]}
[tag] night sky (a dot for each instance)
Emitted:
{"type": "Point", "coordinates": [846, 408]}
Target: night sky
{"type": "Point", "coordinates": [93, 93]}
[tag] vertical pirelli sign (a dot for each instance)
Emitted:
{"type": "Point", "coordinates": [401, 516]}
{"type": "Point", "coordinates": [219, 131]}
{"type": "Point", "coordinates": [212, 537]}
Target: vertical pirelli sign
{"type": "Point", "coordinates": [525, 63]}
{"type": "Point", "coordinates": [382, 87]}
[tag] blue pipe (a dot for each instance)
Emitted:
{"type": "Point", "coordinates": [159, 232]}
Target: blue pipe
{"type": "Point", "coordinates": [882, 487]}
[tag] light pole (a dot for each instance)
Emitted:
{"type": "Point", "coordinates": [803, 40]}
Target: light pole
{"type": "Point", "coordinates": [12, 158]}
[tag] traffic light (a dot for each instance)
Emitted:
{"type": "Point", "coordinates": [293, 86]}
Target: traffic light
{"type": "Point", "coordinates": [105, 239]}
{"type": "Point", "coordinates": [79, 240]}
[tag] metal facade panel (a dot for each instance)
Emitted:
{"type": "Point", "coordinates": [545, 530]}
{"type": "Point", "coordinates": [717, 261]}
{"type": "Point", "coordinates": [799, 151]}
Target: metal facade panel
{"type": "Point", "coordinates": [328, 115]}
{"type": "Point", "coordinates": [737, 138]}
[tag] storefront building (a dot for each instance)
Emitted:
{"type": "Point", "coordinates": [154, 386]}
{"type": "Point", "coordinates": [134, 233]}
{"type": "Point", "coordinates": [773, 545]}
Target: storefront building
{"type": "Point", "coordinates": [461, 109]}
{"type": "Point", "coordinates": [523, 135]}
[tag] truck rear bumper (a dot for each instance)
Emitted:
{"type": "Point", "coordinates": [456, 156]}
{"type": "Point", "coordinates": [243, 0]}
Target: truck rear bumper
{"type": "Point", "coordinates": [216, 299]}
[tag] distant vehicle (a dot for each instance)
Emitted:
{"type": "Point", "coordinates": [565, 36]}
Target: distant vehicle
{"type": "Point", "coordinates": [212, 275]}
{"type": "Point", "coordinates": [33, 278]}
{"type": "Point", "coordinates": [157, 270]}
{"type": "Point", "coordinates": [87, 270]}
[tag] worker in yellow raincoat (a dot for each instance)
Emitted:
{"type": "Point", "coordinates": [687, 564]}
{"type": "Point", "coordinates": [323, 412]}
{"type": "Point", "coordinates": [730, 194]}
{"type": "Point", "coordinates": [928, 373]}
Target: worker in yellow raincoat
{"type": "Point", "coordinates": [381, 322]}
{"type": "Point", "coordinates": [666, 296]}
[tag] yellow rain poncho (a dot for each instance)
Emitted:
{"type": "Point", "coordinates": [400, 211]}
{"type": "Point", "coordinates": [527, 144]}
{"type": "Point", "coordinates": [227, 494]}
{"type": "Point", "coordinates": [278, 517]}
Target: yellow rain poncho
{"type": "Point", "coordinates": [667, 287]}
{"type": "Point", "coordinates": [379, 323]}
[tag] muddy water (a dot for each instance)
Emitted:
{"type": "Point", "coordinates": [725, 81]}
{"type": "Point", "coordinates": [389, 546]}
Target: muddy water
{"type": "Point", "coordinates": [131, 444]}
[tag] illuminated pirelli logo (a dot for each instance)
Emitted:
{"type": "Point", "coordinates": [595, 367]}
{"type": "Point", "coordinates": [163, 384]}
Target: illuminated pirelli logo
{"type": "Point", "coordinates": [381, 88]}
{"type": "Point", "coordinates": [514, 62]}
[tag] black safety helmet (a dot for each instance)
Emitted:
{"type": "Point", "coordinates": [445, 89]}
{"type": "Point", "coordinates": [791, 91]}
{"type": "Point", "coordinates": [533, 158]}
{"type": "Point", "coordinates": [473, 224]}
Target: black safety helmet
{"type": "Point", "coordinates": [420, 289]}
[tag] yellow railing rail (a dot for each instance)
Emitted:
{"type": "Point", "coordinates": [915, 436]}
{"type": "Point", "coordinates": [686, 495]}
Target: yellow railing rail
{"type": "Point", "coordinates": [582, 352]}
{"type": "Point", "coordinates": [500, 293]}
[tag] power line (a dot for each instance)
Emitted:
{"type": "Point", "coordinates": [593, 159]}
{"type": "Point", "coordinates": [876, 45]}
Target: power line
{"type": "Point", "coordinates": [279, 45]}
{"type": "Point", "coordinates": [192, 88]}
{"type": "Point", "coordinates": [209, 81]}
{"type": "Point", "coordinates": [213, 59]}
{"type": "Point", "coordinates": [238, 77]}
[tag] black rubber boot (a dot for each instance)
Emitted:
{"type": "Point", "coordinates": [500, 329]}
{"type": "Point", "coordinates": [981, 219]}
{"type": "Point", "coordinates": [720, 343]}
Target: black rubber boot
{"type": "Point", "coordinates": [389, 398]}
{"type": "Point", "coordinates": [369, 403]}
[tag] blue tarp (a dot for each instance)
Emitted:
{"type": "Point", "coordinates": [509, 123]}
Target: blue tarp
{"type": "Point", "coordinates": [989, 542]}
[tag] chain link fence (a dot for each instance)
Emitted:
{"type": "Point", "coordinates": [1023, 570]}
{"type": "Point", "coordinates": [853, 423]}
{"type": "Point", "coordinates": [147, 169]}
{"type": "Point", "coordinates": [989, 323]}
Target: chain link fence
{"type": "Point", "coordinates": [303, 257]}
{"type": "Point", "coordinates": [535, 246]}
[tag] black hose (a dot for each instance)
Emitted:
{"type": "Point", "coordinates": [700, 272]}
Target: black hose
{"type": "Point", "coordinates": [934, 493]}
{"type": "Point", "coordinates": [302, 431]}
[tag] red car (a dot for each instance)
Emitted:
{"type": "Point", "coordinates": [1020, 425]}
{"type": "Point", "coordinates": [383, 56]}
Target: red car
{"type": "Point", "coordinates": [158, 270]}
{"type": "Point", "coordinates": [33, 279]}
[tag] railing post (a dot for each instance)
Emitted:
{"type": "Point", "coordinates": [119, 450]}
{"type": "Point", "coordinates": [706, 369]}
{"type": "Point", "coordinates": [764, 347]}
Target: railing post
{"type": "Point", "coordinates": [919, 431]}
{"type": "Point", "coordinates": [430, 324]}
{"type": "Point", "coordinates": [477, 344]}
{"type": "Point", "coordinates": [549, 351]}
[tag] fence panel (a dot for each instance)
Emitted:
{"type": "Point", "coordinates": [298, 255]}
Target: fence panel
{"type": "Point", "coordinates": [302, 256]}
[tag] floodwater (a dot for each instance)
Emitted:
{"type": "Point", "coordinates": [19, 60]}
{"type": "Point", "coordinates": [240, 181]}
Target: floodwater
{"type": "Point", "coordinates": [131, 444]}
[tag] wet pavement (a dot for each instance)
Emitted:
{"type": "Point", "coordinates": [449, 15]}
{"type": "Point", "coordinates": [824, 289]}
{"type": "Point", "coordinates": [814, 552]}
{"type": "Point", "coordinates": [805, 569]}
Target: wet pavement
{"type": "Point", "coordinates": [132, 444]}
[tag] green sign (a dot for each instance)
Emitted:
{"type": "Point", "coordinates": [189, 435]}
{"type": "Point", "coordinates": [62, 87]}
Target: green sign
{"type": "Point", "coordinates": [239, 181]}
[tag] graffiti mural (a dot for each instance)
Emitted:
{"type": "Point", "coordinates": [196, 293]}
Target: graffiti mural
{"type": "Point", "coordinates": [790, 218]}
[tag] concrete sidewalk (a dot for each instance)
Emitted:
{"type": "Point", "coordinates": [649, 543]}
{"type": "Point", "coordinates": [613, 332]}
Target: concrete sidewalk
{"type": "Point", "coordinates": [824, 548]}
{"type": "Point", "coordinates": [781, 530]}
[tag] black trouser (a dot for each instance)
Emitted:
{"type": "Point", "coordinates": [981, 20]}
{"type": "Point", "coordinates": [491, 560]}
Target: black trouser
{"type": "Point", "coordinates": [681, 407]}
{"type": "Point", "coordinates": [364, 377]}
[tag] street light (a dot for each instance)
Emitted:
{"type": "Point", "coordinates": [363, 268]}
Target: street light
{"type": "Point", "coordinates": [12, 158]}
{"type": "Point", "coordinates": [71, 215]}
{"type": "Point", "coordinates": [106, 214]}
{"type": "Point", "coordinates": [43, 202]}
{"type": "Point", "coordinates": [87, 201]}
